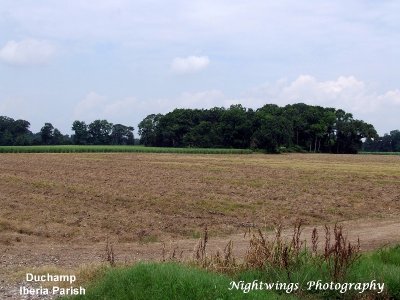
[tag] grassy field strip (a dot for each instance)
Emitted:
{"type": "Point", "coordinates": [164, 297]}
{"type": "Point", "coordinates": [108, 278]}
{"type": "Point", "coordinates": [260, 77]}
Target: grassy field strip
{"type": "Point", "coordinates": [322, 166]}
{"type": "Point", "coordinates": [380, 153]}
{"type": "Point", "coordinates": [140, 149]}
{"type": "Point", "coordinates": [109, 149]}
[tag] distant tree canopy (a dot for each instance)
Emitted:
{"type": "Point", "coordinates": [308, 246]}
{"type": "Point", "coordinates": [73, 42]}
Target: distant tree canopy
{"type": "Point", "coordinates": [99, 132]}
{"type": "Point", "coordinates": [14, 132]}
{"type": "Point", "coordinates": [51, 136]}
{"type": "Point", "coordinates": [297, 127]}
{"type": "Point", "coordinates": [271, 128]}
{"type": "Point", "coordinates": [387, 143]}
{"type": "Point", "coordinates": [102, 132]}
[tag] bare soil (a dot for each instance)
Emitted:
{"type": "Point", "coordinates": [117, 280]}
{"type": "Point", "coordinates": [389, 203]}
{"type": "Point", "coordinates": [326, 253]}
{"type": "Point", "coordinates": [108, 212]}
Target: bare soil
{"type": "Point", "coordinates": [58, 209]}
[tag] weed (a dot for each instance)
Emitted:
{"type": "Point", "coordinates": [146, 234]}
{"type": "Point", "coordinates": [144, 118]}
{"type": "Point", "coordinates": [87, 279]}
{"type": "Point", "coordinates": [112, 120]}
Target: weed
{"type": "Point", "coordinates": [339, 255]}
{"type": "Point", "coordinates": [285, 254]}
{"type": "Point", "coordinates": [110, 256]}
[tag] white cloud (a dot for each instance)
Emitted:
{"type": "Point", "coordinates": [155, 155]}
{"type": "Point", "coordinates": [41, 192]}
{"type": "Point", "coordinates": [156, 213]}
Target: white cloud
{"type": "Point", "coordinates": [203, 99]}
{"type": "Point", "coordinates": [90, 105]}
{"type": "Point", "coordinates": [95, 106]}
{"type": "Point", "coordinates": [346, 92]}
{"type": "Point", "coordinates": [391, 97]}
{"type": "Point", "coordinates": [27, 52]}
{"type": "Point", "coordinates": [130, 110]}
{"type": "Point", "coordinates": [17, 107]}
{"type": "Point", "coordinates": [190, 64]}
{"type": "Point", "coordinates": [120, 107]}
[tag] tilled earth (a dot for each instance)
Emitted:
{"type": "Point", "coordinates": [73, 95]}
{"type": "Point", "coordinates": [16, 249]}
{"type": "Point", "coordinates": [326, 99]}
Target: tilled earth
{"type": "Point", "coordinates": [59, 209]}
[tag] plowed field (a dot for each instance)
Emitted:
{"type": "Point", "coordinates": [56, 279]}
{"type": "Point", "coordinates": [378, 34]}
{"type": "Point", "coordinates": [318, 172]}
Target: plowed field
{"type": "Point", "coordinates": [151, 197]}
{"type": "Point", "coordinates": [57, 210]}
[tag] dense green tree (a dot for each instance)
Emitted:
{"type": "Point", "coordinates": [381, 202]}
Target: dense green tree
{"type": "Point", "coordinates": [350, 132]}
{"type": "Point", "coordinates": [81, 133]}
{"type": "Point", "coordinates": [176, 125]}
{"type": "Point", "coordinates": [236, 126]}
{"type": "Point", "coordinates": [122, 135]}
{"type": "Point", "coordinates": [395, 134]}
{"type": "Point", "coordinates": [23, 140]}
{"type": "Point", "coordinates": [57, 138]}
{"type": "Point", "coordinates": [50, 136]}
{"type": "Point", "coordinates": [386, 143]}
{"type": "Point", "coordinates": [148, 129]}
{"type": "Point", "coordinates": [46, 133]}
{"type": "Point", "coordinates": [99, 132]}
{"type": "Point", "coordinates": [6, 138]}
{"type": "Point", "coordinates": [14, 132]}
{"type": "Point", "coordinates": [21, 127]}
{"type": "Point", "coordinates": [203, 135]}
{"type": "Point", "coordinates": [273, 130]}
{"type": "Point", "coordinates": [298, 126]}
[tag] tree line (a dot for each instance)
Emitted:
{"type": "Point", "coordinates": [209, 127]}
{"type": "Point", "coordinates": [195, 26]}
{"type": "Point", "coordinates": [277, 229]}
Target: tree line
{"type": "Point", "coordinates": [99, 132]}
{"type": "Point", "coordinates": [386, 143]}
{"type": "Point", "coordinates": [298, 127]}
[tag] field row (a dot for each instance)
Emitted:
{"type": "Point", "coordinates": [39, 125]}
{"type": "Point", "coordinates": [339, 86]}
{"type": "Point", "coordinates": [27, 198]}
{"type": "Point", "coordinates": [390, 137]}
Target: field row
{"type": "Point", "coordinates": [112, 148]}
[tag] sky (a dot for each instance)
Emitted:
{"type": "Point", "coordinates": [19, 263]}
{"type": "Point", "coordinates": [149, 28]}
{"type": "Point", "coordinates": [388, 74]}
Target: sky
{"type": "Point", "coordinates": [121, 60]}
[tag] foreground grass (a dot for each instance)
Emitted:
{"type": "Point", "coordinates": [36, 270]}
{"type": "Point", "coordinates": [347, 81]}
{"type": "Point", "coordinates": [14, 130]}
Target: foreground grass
{"type": "Point", "coordinates": [178, 281]}
{"type": "Point", "coordinates": [117, 148]}
{"type": "Point", "coordinates": [383, 266]}
{"type": "Point", "coordinates": [167, 281]}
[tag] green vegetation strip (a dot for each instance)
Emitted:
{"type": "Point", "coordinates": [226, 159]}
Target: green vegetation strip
{"type": "Point", "coordinates": [161, 281]}
{"type": "Point", "coordinates": [107, 148]}
{"type": "Point", "coordinates": [380, 153]}
{"type": "Point", "coordinates": [179, 281]}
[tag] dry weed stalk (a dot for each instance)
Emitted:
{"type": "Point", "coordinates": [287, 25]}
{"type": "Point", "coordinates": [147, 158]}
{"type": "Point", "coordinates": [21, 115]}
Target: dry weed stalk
{"type": "Point", "coordinates": [296, 242]}
{"type": "Point", "coordinates": [224, 262]}
{"type": "Point", "coordinates": [221, 261]}
{"type": "Point", "coordinates": [259, 251]}
{"type": "Point", "coordinates": [200, 249]}
{"type": "Point", "coordinates": [284, 253]}
{"type": "Point", "coordinates": [163, 252]}
{"type": "Point", "coordinates": [314, 242]}
{"type": "Point", "coordinates": [341, 254]}
{"type": "Point", "coordinates": [110, 256]}
{"type": "Point", "coordinates": [172, 255]}
{"type": "Point", "coordinates": [276, 253]}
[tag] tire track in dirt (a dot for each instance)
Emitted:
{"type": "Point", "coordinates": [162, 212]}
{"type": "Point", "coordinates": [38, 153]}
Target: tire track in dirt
{"type": "Point", "coordinates": [19, 258]}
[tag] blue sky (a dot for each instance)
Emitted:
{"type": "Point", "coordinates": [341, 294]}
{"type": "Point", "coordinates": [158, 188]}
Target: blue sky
{"type": "Point", "coordinates": [122, 60]}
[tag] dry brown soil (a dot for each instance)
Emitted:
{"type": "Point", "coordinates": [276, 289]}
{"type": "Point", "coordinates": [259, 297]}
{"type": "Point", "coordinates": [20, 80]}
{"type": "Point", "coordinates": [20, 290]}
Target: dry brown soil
{"type": "Point", "coordinates": [58, 209]}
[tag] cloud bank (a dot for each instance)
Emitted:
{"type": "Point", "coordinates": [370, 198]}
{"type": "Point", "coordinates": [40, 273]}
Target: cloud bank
{"type": "Point", "coordinates": [27, 52]}
{"type": "Point", "coordinates": [190, 64]}
{"type": "Point", "coordinates": [346, 92]}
